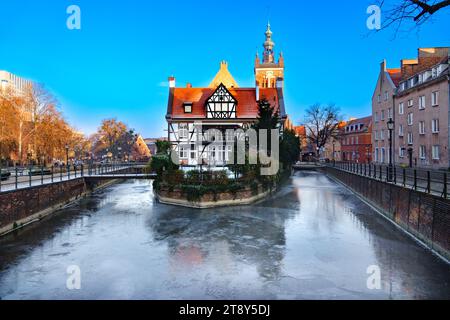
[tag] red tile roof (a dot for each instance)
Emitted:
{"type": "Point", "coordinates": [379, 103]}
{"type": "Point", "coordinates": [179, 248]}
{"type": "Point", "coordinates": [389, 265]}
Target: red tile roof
{"type": "Point", "coordinates": [247, 107]}
{"type": "Point", "coordinates": [366, 121]}
{"type": "Point", "coordinates": [300, 130]}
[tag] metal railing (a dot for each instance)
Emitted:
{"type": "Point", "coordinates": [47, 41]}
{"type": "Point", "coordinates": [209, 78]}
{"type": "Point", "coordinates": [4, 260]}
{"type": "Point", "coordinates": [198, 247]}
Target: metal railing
{"type": "Point", "coordinates": [429, 181]}
{"type": "Point", "coordinates": [26, 177]}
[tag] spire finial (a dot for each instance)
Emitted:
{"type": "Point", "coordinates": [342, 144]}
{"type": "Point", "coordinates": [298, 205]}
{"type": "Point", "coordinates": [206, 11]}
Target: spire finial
{"type": "Point", "coordinates": [268, 46]}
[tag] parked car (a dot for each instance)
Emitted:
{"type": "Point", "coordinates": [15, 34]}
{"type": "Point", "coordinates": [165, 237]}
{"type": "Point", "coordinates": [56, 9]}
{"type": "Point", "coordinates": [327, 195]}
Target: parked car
{"type": "Point", "coordinates": [4, 174]}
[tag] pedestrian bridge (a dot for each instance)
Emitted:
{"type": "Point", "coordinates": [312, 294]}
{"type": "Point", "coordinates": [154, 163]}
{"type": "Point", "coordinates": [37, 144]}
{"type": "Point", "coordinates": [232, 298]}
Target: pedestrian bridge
{"type": "Point", "coordinates": [22, 178]}
{"type": "Point", "coordinates": [126, 176]}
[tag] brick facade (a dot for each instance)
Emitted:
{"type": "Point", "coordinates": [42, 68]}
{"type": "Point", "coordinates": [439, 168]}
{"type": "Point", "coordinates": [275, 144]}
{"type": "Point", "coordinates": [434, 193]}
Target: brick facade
{"type": "Point", "coordinates": [416, 97]}
{"type": "Point", "coordinates": [356, 141]}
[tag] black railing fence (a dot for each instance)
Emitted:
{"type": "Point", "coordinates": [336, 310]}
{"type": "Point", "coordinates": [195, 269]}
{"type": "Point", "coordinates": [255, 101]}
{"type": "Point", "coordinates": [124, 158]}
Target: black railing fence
{"type": "Point", "coordinates": [25, 177]}
{"type": "Point", "coordinates": [429, 181]}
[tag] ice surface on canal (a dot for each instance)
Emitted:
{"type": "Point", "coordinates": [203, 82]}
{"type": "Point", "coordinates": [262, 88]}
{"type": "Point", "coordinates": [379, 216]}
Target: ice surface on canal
{"type": "Point", "coordinates": [312, 240]}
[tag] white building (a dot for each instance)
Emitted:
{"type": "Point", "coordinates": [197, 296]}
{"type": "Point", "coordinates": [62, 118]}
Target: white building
{"type": "Point", "coordinates": [16, 83]}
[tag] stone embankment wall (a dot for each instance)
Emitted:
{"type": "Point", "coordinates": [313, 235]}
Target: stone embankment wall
{"type": "Point", "coordinates": [23, 206]}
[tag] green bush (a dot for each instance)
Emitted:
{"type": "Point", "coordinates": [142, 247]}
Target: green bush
{"type": "Point", "coordinates": [161, 163]}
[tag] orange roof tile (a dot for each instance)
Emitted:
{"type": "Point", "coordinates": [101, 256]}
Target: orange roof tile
{"type": "Point", "coordinates": [247, 106]}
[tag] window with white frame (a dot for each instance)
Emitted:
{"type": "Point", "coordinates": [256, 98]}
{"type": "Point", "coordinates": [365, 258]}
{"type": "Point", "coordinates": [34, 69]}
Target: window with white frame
{"type": "Point", "coordinates": [386, 96]}
{"type": "Point", "coordinates": [410, 102]}
{"type": "Point", "coordinates": [435, 152]}
{"type": "Point", "coordinates": [184, 151]}
{"type": "Point", "coordinates": [422, 152]}
{"type": "Point", "coordinates": [410, 119]}
{"type": "Point", "coordinates": [401, 108]}
{"type": "Point", "coordinates": [401, 152]}
{"type": "Point", "coordinates": [421, 78]}
{"type": "Point", "coordinates": [187, 107]}
{"type": "Point", "coordinates": [183, 131]}
{"type": "Point", "coordinates": [376, 155]}
{"type": "Point", "coordinates": [435, 125]}
{"type": "Point", "coordinates": [382, 115]}
{"type": "Point", "coordinates": [379, 98]}
{"type": "Point", "coordinates": [376, 116]}
{"type": "Point", "coordinates": [357, 140]}
{"type": "Point", "coordinates": [422, 102]}
{"type": "Point", "coordinates": [390, 113]}
{"type": "Point", "coordinates": [383, 155]}
{"type": "Point", "coordinates": [400, 131]}
{"type": "Point", "coordinates": [375, 134]}
{"type": "Point", "coordinates": [434, 72]}
{"type": "Point", "coordinates": [381, 134]}
{"type": "Point", "coordinates": [422, 127]}
{"type": "Point", "coordinates": [435, 98]}
{"type": "Point", "coordinates": [410, 138]}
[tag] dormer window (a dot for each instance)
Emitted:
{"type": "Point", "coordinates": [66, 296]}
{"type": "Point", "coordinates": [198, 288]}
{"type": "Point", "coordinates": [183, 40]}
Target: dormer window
{"type": "Point", "coordinates": [434, 72]}
{"type": "Point", "coordinates": [187, 106]}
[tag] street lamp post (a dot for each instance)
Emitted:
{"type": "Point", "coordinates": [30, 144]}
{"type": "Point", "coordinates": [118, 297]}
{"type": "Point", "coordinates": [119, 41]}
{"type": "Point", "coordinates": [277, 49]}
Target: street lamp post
{"type": "Point", "coordinates": [67, 154]}
{"type": "Point", "coordinates": [390, 125]}
{"type": "Point", "coordinates": [334, 153]}
{"type": "Point", "coordinates": [67, 157]}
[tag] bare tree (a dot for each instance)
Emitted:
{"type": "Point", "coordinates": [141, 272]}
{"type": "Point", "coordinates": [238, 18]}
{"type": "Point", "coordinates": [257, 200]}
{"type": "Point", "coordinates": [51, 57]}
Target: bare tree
{"type": "Point", "coordinates": [418, 12]}
{"type": "Point", "coordinates": [322, 124]}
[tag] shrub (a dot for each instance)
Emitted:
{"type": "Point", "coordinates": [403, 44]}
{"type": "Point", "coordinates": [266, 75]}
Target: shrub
{"type": "Point", "coordinates": [161, 163]}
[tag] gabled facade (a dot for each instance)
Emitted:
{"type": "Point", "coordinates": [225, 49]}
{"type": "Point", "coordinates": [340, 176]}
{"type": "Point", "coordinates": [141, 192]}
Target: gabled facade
{"type": "Point", "coordinates": [222, 106]}
{"type": "Point", "coordinates": [382, 110]}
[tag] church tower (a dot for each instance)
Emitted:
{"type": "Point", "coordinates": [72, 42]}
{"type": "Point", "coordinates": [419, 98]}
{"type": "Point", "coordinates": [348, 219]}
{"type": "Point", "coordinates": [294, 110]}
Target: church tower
{"type": "Point", "coordinates": [269, 73]}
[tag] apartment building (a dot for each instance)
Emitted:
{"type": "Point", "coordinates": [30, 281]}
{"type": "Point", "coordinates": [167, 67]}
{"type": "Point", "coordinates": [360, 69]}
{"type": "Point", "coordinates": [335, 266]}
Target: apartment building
{"type": "Point", "coordinates": [416, 97]}
{"type": "Point", "coordinates": [10, 80]}
{"type": "Point", "coordinates": [356, 140]}
{"type": "Point", "coordinates": [422, 115]}
{"type": "Point", "coordinates": [382, 111]}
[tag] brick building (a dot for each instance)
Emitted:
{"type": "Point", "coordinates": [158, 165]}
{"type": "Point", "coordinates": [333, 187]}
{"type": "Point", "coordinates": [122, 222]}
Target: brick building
{"type": "Point", "coordinates": [422, 110]}
{"type": "Point", "coordinates": [416, 97]}
{"type": "Point", "coordinates": [382, 110]}
{"type": "Point", "coordinates": [356, 140]}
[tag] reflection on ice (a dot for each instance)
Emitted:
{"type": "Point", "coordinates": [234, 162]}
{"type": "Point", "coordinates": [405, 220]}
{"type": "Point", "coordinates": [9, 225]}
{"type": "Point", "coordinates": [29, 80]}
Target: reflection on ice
{"type": "Point", "coordinates": [312, 240]}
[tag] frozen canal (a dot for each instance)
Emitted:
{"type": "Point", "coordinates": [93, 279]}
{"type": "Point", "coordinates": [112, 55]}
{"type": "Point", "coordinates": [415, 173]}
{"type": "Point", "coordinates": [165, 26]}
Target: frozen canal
{"type": "Point", "coordinates": [313, 240]}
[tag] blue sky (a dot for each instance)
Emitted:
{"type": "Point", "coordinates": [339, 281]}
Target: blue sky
{"type": "Point", "coordinates": [118, 63]}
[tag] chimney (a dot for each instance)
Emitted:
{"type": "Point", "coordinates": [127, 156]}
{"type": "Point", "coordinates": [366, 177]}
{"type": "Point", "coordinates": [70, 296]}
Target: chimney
{"type": "Point", "coordinates": [383, 66]}
{"type": "Point", "coordinates": [280, 83]}
{"type": "Point", "coordinates": [188, 85]}
{"type": "Point", "coordinates": [171, 82]}
{"type": "Point", "coordinates": [257, 90]}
